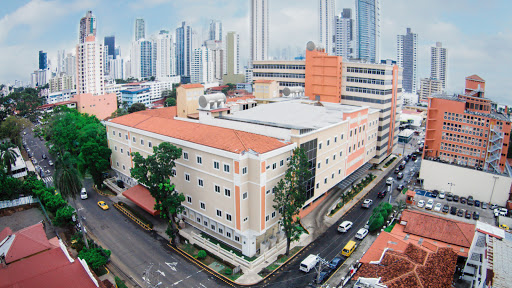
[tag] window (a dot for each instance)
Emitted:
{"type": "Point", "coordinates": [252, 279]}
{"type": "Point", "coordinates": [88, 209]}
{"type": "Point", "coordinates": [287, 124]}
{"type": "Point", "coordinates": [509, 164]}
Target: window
{"type": "Point", "coordinates": [319, 145]}
{"type": "Point", "coordinates": [221, 231]}
{"type": "Point", "coordinates": [150, 144]}
{"type": "Point", "coordinates": [141, 141]}
{"type": "Point", "coordinates": [335, 139]}
{"type": "Point", "coordinates": [273, 214]}
{"type": "Point", "coordinates": [189, 199]}
{"type": "Point", "coordinates": [126, 136]}
{"type": "Point", "coordinates": [133, 140]}
{"type": "Point", "coordinates": [228, 234]}
{"type": "Point", "coordinates": [202, 205]}
{"type": "Point", "coordinates": [328, 142]}
{"type": "Point", "coordinates": [119, 134]}
{"type": "Point", "coordinates": [318, 165]}
{"type": "Point", "coordinates": [341, 137]}
{"type": "Point", "coordinates": [274, 166]}
{"type": "Point", "coordinates": [317, 185]}
{"type": "Point", "coordinates": [228, 217]}
{"type": "Point", "coordinates": [226, 168]}
{"type": "Point", "coordinates": [200, 182]}
{"type": "Point", "coordinates": [281, 163]}
{"type": "Point", "coordinates": [187, 177]}
{"type": "Point", "coordinates": [185, 155]}
{"type": "Point", "coordinates": [237, 238]}
{"type": "Point", "coordinates": [127, 152]}
{"type": "Point", "coordinates": [124, 168]}
{"type": "Point", "coordinates": [199, 160]}
{"type": "Point", "coordinates": [268, 191]}
{"type": "Point", "coordinates": [326, 161]}
{"type": "Point", "coordinates": [114, 132]}
{"type": "Point", "coordinates": [341, 153]}
{"type": "Point", "coordinates": [115, 148]}
{"type": "Point", "coordinates": [244, 170]}
{"type": "Point", "coordinates": [246, 219]}
{"type": "Point", "coordinates": [217, 188]}
{"type": "Point", "coordinates": [325, 181]}
{"type": "Point", "coordinates": [122, 150]}
{"type": "Point", "coordinates": [334, 157]}
{"type": "Point", "coordinates": [267, 217]}
{"type": "Point", "coordinates": [117, 164]}
{"type": "Point", "coordinates": [219, 213]}
{"type": "Point", "coordinates": [245, 195]}
{"type": "Point", "coordinates": [173, 173]}
{"type": "Point", "coordinates": [332, 176]}
{"type": "Point", "coordinates": [216, 165]}
{"type": "Point", "coordinates": [227, 192]}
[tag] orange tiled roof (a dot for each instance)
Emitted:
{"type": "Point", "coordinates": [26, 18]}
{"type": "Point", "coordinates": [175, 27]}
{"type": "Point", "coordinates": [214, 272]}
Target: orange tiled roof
{"type": "Point", "coordinates": [475, 77]}
{"type": "Point", "coordinates": [141, 196]}
{"type": "Point", "coordinates": [263, 81]}
{"type": "Point", "coordinates": [161, 121]}
{"type": "Point", "coordinates": [234, 99]}
{"type": "Point", "coordinates": [438, 228]}
{"type": "Point", "coordinates": [189, 86]}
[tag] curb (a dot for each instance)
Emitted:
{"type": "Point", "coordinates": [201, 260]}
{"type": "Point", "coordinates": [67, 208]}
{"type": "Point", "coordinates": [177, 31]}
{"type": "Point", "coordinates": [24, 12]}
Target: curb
{"type": "Point", "coordinates": [131, 216]}
{"type": "Point", "coordinates": [101, 193]}
{"type": "Point", "coordinates": [331, 216]}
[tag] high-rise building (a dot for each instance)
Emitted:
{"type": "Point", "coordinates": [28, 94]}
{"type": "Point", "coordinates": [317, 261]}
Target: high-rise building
{"type": "Point", "coordinates": [344, 34]}
{"type": "Point", "coordinates": [184, 50]}
{"type": "Point", "coordinates": [61, 63]}
{"type": "Point", "coordinates": [217, 58]}
{"type": "Point", "coordinates": [368, 30]}
{"type": "Point", "coordinates": [90, 65]}
{"type": "Point", "coordinates": [165, 64]}
{"type": "Point", "coordinates": [202, 66]}
{"type": "Point", "coordinates": [215, 30]}
{"type": "Point", "coordinates": [326, 10]}
{"type": "Point", "coordinates": [70, 65]}
{"type": "Point", "coordinates": [259, 30]}
{"type": "Point", "coordinates": [406, 58]}
{"type": "Point", "coordinates": [117, 68]}
{"type": "Point", "coordinates": [87, 27]}
{"type": "Point", "coordinates": [232, 53]}
{"type": "Point", "coordinates": [140, 29]}
{"type": "Point", "coordinates": [429, 86]}
{"type": "Point", "coordinates": [143, 59]}
{"type": "Point", "coordinates": [110, 45]}
{"type": "Point", "coordinates": [438, 63]}
{"type": "Point", "coordinates": [43, 60]}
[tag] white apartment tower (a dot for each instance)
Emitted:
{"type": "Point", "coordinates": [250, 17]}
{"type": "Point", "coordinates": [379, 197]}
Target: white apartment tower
{"type": "Point", "coordinates": [259, 30]}
{"type": "Point", "coordinates": [215, 32]}
{"type": "Point", "coordinates": [344, 32]}
{"type": "Point", "coordinates": [202, 68]}
{"type": "Point", "coordinates": [89, 67]}
{"type": "Point", "coordinates": [140, 29]}
{"type": "Point", "coordinates": [165, 55]}
{"type": "Point", "coordinates": [143, 59]}
{"type": "Point", "coordinates": [438, 63]}
{"type": "Point", "coordinates": [406, 58]}
{"type": "Point", "coordinates": [326, 22]}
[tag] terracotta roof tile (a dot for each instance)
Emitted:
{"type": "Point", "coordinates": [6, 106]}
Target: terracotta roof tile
{"type": "Point", "coordinates": [161, 121]}
{"type": "Point", "coordinates": [140, 195]}
{"type": "Point", "coordinates": [189, 86]}
{"type": "Point", "coordinates": [27, 242]}
{"type": "Point", "coordinates": [6, 232]}
{"type": "Point", "coordinates": [475, 77]}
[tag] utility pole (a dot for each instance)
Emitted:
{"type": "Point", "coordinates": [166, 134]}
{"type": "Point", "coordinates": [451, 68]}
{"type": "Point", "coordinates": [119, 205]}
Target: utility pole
{"type": "Point", "coordinates": [492, 193]}
{"type": "Point", "coordinates": [320, 267]}
{"type": "Point", "coordinates": [451, 184]}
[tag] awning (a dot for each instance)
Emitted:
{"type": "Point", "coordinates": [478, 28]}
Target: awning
{"type": "Point", "coordinates": [141, 197]}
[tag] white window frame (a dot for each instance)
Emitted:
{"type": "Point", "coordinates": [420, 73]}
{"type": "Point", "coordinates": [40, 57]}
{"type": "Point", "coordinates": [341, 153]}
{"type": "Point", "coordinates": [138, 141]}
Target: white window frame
{"type": "Point", "coordinates": [227, 190]}
{"type": "Point", "coordinates": [217, 212]}
{"type": "Point", "coordinates": [200, 182]}
{"type": "Point", "coordinates": [142, 142]}
{"type": "Point", "coordinates": [187, 176]}
{"type": "Point", "coordinates": [202, 205]}
{"type": "Point", "coordinates": [229, 217]}
{"type": "Point", "coordinates": [214, 188]}
{"type": "Point", "coordinates": [189, 201]}
{"type": "Point", "coordinates": [274, 166]}
{"type": "Point", "coordinates": [134, 140]}
{"type": "Point", "coordinates": [245, 195]}
{"type": "Point", "coordinates": [150, 145]}
{"type": "Point", "coordinates": [273, 214]}
{"type": "Point", "coordinates": [185, 155]}
{"type": "Point", "coordinates": [228, 168]}
{"type": "Point", "coordinates": [218, 164]}
{"type": "Point", "coordinates": [199, 159]}
{"type": "Point", "coordinates": [244, 170]}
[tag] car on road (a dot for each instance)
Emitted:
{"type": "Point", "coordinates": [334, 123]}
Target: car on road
{"type": "Point", "coordinates": [309, 263]}
{"type": "Point", "coordinates": [390, 181]}
{"type": "Point", "coordinates": [463, 200]}
{"type": "Point", "coordinates": [397, 170]}
{"type": "Point", "coordinates": [413, 158]}
{"type": "Point", "coordinates": [441, 195]}
{"type": "Point", "coordinates": [50, 162]}
{"type": "Point", "coordinates": [468, 214]}
{"type": "Point", "coordinates": [44, 156]}
{"type": "Point", "coordinates": [83, 194]}
{"type": "Point", "coordinates": [471, 202]}
{"type": "Point", "coordinates": [446, 208]}
{"type": "Point", "coordinates": [421, 204]}
{"type": "Point", "coordinates": [438, 207]}
{"type": "Point", "coordinates": [335, 262]}
{"type": "Point", "coordinates": [476, 215]}
{"type": "Point", "coordinates": [345, 226]}
{"type": "Point", "coordinates": [484, 205]}
{"type": "Point", "coordinates": [361, 233]}
{"type": "Point", "coordinates": [103, 205]}
{"type": "Point", "coordinates": [455, 198]}
{"type": "Point", "coordinates": [400, 187]}
{"type": "Point", "coordinates": [500, 212]}
{"type": "Point", "coordinates": [477, 203]}
{"type": "Point", "coordinates": [400, 176]}
{"type": "Point", "coordinates": [453, 210]}
{"type": "Point", "coordinates": [323, 275]}
{"type": "Point", "coordinates": [382, 194]}
{"type": "Point", "coordinates": [460, 212]}
{"type": "Point", "coordinates": [367, 203]}
{"type": "Point", "coordinates": [430, 204]}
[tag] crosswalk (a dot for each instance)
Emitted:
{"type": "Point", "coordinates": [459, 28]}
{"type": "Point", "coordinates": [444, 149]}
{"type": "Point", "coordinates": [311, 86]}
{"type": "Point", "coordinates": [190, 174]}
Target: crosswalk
{"type": "Point", "coordinates": [48, 181]}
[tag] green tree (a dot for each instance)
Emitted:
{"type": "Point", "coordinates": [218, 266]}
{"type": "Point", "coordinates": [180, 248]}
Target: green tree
{"type": "Point", "coordinates": [119, 112]}
{"type": "Point", "coordinates": [63, 216]}
{"type": "Point", "coordinates": [170, 102]}
{"type": "Point", "coordinates": [12, 127]}
{"type": "Point", "coordinates": [290, 195]}
{"type": "Point", "coordinates": [7, 156]}
{"type": "Point", "coordinates": [136, 107]}
{"type": "Point", "coordinates": [95, 257]}
{"type": "Point", "coordinates": [94, 158]}
{"type": "Point", "coordinates": [376, 222]}
{"type": "Point", "coordinates": [155, 172]}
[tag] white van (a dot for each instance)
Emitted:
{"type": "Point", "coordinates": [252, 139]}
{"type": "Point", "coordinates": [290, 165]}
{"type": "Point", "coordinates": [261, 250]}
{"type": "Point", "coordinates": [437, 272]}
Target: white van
{"type": "Point", "coordinates": [83, 194]}
{"type": "Point", "coordinates": [309, 263]}
{"type": "Point", "coordinates": [390, 181]}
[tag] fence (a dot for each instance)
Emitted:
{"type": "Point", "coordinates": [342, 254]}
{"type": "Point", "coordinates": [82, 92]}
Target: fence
{"type": "Point", "coordinates": [129, 214]}
{"type": "Point", "coordinates": [17, 202]}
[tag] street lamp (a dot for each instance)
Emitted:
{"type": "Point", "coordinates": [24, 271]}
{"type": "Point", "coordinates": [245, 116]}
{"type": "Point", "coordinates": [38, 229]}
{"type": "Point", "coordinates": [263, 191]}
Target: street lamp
{"type": "Point", "coordinates": [451, 184]}
{"type": "Point", "coordinates": [492, 193]}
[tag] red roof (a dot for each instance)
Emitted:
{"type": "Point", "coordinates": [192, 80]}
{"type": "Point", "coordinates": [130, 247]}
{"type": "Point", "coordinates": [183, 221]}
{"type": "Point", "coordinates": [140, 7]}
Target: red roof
{"type": "Point", "coordinates": [6, 232]}
{"type": "Point", "coordinates": [475, 77]}
{"type": "Point", "coordinates": [27, 242]}
{"type": "Point", "coordinates": [189, 86]}
{"type": "Point", "coordinates": [56, 104]}
{"type": "Point", "coordinates": [218, 88]}
{"type": "Point", "coordinates": [161, 121]}
{"type": "Point", "coordinates": [140, 195]}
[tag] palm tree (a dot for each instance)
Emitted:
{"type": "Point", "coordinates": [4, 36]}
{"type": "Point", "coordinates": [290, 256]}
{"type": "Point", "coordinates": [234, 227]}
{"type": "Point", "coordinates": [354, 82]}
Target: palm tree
{"type": "Point", "coordinates": [7, 156]}
{"type": "Point", "coordinates": [67, 180]}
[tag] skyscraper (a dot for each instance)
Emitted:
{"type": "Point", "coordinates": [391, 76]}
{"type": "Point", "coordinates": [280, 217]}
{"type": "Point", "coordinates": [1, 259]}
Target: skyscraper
{"type": "Point", "coordinates": [215, 30]}
{"type": "Point", "coordinates": [165, 54]}
{"type": "Point", "coordinates": [140, 29]}
{"type": "Point", "coordinates": [217, 56]}
{"type": "Point", "coordinates": [344, 31]}
{"type": "Point", "coordinates": [89, 68]}
{"type": "Point", "coordinates": [87, 27]}
{"type": "Point", "coordinates": [326, 17]}
{"type": "Point", "coordinates": [61, 56]}
{"type": "Point", "coordinates": [142, 59]}
{"type": "Point", "coordinates": [110, 45]}
{"type": "Point", "coordinates": [232, 53]}
{"type": "Point", "coordinates": [259, 30]}
{"type": "Point", "coordinates": [202, 66]}
{"type": "Point", "coordinates": [183, 49]}
{"type": "Point", "coordinates": [406, 58]}
{"type": "Point", "coordinates": [43, 60]}
{"type": "Point", "coordinates": [368, 30]}
{"type": "Point", "coordinates": [438, 63]}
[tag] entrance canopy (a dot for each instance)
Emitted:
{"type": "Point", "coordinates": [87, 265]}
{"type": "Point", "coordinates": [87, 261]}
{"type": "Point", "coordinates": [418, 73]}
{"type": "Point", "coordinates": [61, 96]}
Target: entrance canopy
{"type": "Point", "coordinates": [140, 195]}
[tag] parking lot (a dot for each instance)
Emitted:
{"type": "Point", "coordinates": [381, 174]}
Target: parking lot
{"type": "Point", "coordinates": [486, 215]}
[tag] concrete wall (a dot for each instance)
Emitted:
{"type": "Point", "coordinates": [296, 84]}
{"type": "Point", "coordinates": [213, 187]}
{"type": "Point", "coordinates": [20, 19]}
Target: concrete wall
{"type": "Point", "coordinates": [467, 182]}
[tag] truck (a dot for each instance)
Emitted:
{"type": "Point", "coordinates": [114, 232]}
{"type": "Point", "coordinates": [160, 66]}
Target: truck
{"type": "Point", "coordinates": [390, 181]}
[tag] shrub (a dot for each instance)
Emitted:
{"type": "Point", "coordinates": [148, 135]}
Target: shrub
{"type": "Point", "coordinates": [201, 254]}
{"type": "Point", "coordinates": [63, 216]}
{"type": "Point", "coordinates": [95, 257]}
{"type": "Point", "coordinates": [376, 222]}
{"type": "Point", "coordinates": [120, 283]}
{"type": "Point", "coordinates": [228, 271]}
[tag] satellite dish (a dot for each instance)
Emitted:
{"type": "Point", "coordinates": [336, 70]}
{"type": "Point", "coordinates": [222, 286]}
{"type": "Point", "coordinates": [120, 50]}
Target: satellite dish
{"type": "Point", "coordinates": [286, 91]}
{"type": "Point", "coordinates": [310, 46]}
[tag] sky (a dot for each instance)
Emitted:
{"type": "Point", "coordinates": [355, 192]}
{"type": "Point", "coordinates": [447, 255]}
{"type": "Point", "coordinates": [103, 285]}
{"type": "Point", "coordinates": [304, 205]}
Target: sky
{"type": "Point", "coordinates": [477, 34]}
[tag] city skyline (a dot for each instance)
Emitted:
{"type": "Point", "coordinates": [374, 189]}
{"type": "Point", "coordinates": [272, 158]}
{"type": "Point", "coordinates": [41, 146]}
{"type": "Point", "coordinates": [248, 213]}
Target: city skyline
{"type": "Point", "coordinates": [22, 37]}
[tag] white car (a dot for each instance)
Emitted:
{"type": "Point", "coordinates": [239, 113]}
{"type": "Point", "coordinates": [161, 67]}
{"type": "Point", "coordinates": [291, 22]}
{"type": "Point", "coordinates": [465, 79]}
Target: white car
{"type": "Point", "coordinates": [430, 204]}
{"type": "Point", "coordinates": [500, 212]}
{"type": "Point", "coordinates": [83, 194]}
{"type": "Point", "coordinates": [441, 195]}
{"type": "Point", "coordinates": [361, 233]}
{"type": "Point", "coordinates": [367, 203]}
{"type": "Point", "coordinates": [438, 207]}
{"type": "Point", "coordinates": [345, 226]}
{"type": "Point", "coordinates": [421, 204]}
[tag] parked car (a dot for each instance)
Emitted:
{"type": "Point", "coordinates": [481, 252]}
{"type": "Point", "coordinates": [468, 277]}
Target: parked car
{"type": "Point", "coordinates": [441, 195]}
{"type": "Point", "coordinates": [494, 206]}
{"type": "Point", "coordinates": [463, 200]}
{"type": "Point", "coordinates": [397, 170]}
{"type": "Point", "coordinates": [455, 198]}
{"type": "Point", "coordinates": [400, 176]}
{"type": "Point", "coordinates": [449, 197]}
{"type": "Point", "coordinates": [484, 205]}
{"type": "Point", "coordinates": [413, 158]}
{"type": "Point", "coordinates": [44, 156]}
{"type": "Point", "coordinates": [446, 208]}
{"type": "Point", "coordinates": [345, 226]}
{"type": "Point", "coordinates": [50, 162]}
{"type": "Point", "coordinates": [323, 276]}
{"type": "Point", "coordinates": [400, 187]}
{"type": "Point", "coordinates": [468, 214]}
{"type": "Point", "coordinates": [438, 207]}
{"type": "Point", "coordinates": [309, 263]}
{"type": "Point", "coordinates": [335, 262]}
{"type": "Point", "coordinates": [367, 203]}
{"type": "Point", "coordinates": [361, 233]}
{"type": "Point", "coordinates": [477, 203]}
{"type": "Point", "coordinates": [476, 215]}
{"type": "Point", "coordinates": [500, 212]}
{"type": "Point", "coordinates": [460, 212]}
{"type": "Point", "coordinates": [434, 193]}
{"type": "Point", "coordinates": [453, 210]}
{"type": "Point", "coordinates": [421, 204]}
{"type": "Point", "coordinates": [430, 204]}
{"type": "Point", "coordinates": [382, 194]}
{"type": "Point", "coordinates": [471, 202]}
{"type": "Point", "coordinates": [504, 226]}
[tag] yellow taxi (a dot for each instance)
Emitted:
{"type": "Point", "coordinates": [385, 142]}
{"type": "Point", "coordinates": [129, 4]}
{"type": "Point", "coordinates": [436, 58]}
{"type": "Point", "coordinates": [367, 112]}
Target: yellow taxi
{"type": "Point", "coordinates": [103, 205]}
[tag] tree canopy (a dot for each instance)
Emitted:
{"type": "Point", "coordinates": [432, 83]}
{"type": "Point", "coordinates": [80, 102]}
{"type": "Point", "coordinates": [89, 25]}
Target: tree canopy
{"type": "Point", "coordinates": [136, 107]}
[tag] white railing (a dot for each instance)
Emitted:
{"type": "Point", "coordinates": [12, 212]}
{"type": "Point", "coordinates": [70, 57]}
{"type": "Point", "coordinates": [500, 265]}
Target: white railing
{"type": "Point", "coordinates": [17, 202]}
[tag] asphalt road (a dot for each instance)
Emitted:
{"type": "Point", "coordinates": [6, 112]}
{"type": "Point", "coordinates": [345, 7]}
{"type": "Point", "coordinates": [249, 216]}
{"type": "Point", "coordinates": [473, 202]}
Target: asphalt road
{"type": "Point", "coordinates": [331, 242]}
{"type": "Point", "coordinates": [133, 249]}
{"type": "Point", "coordinates": [38, 148]}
